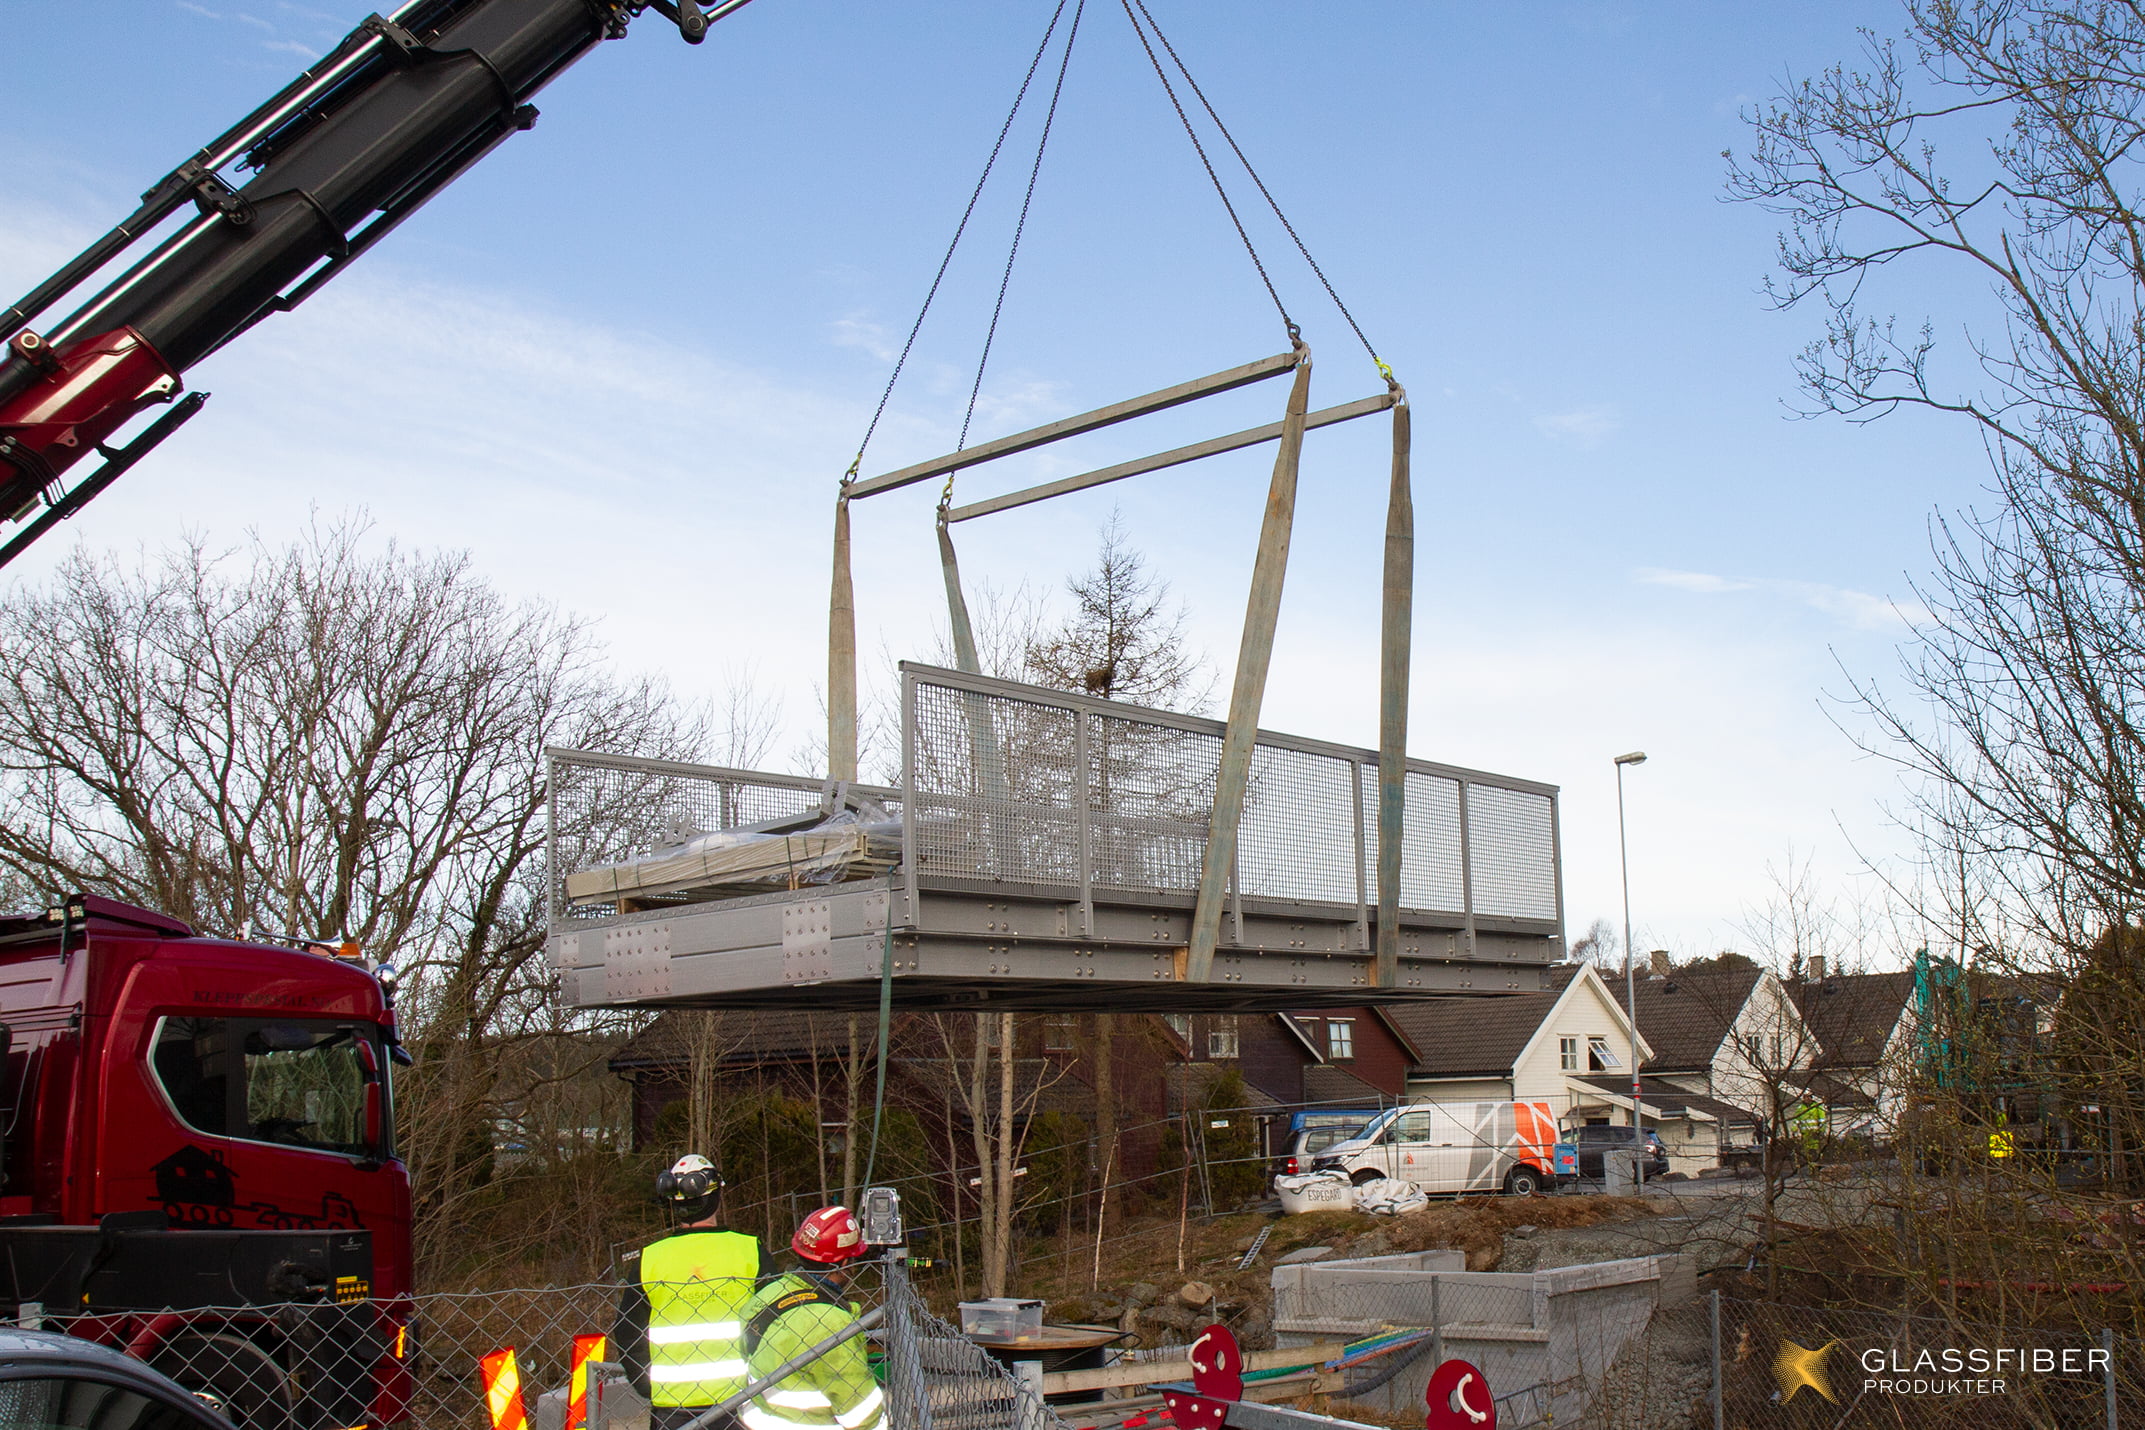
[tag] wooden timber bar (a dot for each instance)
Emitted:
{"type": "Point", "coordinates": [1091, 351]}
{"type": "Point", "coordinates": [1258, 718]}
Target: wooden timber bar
{"type": "Point", "coordinates": [1175, 457]}
{"type": "Point", "coordinates": [1164, 1372]}
{"type": "Point", "coordinates": [1198, 387]}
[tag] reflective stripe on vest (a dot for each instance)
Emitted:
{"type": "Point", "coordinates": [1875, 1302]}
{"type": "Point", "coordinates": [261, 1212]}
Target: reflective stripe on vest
{"type": "Point", "coordinates": [791, 1409]}
{"type": "Point", "coordinates": [791, 1315]}
{"type": "Point", "coordinates": [698, 1283]}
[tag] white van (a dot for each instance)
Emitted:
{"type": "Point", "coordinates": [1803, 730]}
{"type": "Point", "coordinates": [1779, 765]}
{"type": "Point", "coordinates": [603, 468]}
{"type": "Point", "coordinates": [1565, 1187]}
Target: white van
{"type": "Point", "coordinates": [1455, 1147]}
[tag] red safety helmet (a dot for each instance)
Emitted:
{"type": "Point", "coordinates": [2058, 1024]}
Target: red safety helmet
{"type": "Point", "coordinates": [829, 1236]}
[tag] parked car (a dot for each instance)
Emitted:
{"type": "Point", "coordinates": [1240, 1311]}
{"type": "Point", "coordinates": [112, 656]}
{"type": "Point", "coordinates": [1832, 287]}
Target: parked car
{"type": "Point", "coordinates": [1305, 1143]}
{"type": "Point", "coordinates": [50, 1380]}
{"type": "Point", "coordinates": [1454, 1147]}
{"type": "Point", "coordinates": [1592, 1142]}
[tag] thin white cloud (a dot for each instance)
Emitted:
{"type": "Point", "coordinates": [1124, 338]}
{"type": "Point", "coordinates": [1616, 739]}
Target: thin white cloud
{"type": "Point", "coordinates": [202, 10]}
{"type": "Point", "coordinates": [1587, 426]}
{"type": "Point", "coordinates": [1021, 401]}
{"type": "Point", "coordinates": [293, 47]}
{"type": "Point", "coordinates": [864, 335]}
{"type": "Point", "coordinates": [1858, 610]}
{"type": "Point", "coordinates": [1703, 582]}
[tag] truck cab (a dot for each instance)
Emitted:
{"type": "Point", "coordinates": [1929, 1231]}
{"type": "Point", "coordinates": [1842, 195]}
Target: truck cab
{"type": "Point", "coordinates": [189, 1122]}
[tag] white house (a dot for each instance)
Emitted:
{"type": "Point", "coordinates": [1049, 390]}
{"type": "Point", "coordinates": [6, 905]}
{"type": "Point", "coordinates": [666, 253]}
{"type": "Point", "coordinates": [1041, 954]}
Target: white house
{"type": "Point", "coordinates": [1865, 1023]}
{"type": "Point", "coordinates": [1570, 1048]}
{"type": "Point", "coordinates": [1719, 1046]}
{"type": "Point", "coordinates": [1728, 1044]}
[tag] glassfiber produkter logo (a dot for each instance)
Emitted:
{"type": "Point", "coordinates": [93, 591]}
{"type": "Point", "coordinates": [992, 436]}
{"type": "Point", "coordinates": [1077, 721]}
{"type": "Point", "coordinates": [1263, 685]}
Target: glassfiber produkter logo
{"type": "Point", "coordinates": [1928, 1370]}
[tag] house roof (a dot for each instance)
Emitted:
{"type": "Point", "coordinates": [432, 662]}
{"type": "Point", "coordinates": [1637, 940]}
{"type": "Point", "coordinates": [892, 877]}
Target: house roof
{"type": "Point", "coordinates": [1189, 1084]}
{"type": "Point", "coordinates": [1306, 1026]}
{"type": "Point", "coordinates": [1338, 1085]}
{"type": "Point", "coordinates": [731, 1037]}
{"type": "Point", "coordinates": [1472, 1037]}
{"type": "Point", "coordinates": [1852, 1015]}
{"type": "Point", "coordinates": [1310, 1044]}
{"type": "Point", "coordinates": [1684, 1017]}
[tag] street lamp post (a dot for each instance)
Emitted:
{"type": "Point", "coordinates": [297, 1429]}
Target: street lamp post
{"type": "Point", "coordinates": [1631, 994]}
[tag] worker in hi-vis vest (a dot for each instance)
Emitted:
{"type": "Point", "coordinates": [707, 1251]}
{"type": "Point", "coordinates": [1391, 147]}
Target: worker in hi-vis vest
{"type": "Point", "coordinates": [793, 1313]}
{"type": "Point", "coordinates": [680, 1331]}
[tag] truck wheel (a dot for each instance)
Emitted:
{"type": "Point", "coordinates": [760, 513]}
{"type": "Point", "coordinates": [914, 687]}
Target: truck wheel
{"type": "Point", "coordinates": [236, 1375]}
{"type": "Point", "coordinates": [1364, 1176]}
{"type": "Point", "coordinates": [1523, 1182]}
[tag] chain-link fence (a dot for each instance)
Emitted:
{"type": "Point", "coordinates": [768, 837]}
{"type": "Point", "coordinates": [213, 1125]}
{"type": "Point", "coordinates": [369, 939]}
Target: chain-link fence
{"type": "Point", "coordinates": [1622, 1345]}
{"type": "Point", "coordinates": [421, 1361]}
{"type": "Point", "coordinates": [1612, 1343]}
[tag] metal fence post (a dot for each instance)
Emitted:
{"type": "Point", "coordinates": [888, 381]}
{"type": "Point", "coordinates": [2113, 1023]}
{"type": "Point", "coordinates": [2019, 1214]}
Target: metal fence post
{"type": "Point", "coordinates": [1437, 1325]}
{"type": "Point", "coordinates": [907, 1399]}
{"type": "Point", "coordinates": [1720, 1410]}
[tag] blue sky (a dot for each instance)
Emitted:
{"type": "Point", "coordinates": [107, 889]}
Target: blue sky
{"type": "Point", "coordinates": [626, 358]}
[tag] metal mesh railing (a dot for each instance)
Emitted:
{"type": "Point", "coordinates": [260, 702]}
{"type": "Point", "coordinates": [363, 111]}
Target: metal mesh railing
{"type": "Point", "coordinates": [1012, 783]}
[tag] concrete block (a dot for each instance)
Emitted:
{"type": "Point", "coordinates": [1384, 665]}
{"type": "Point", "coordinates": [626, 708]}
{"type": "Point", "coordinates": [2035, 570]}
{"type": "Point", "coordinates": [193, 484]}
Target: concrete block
{"type": "Point", "coordinates": [1679, 1279]}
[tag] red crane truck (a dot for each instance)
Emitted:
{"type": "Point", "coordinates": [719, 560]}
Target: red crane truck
{"type": "Point", "coordinates": [197, 1161]}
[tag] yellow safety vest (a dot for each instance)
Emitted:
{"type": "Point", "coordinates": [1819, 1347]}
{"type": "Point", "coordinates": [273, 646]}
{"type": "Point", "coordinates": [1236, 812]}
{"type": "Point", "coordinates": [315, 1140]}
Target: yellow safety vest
{"type": "Point", "coordinates": [836, 1392]}
{"type": "Point", "coordinates": [698, 1284]}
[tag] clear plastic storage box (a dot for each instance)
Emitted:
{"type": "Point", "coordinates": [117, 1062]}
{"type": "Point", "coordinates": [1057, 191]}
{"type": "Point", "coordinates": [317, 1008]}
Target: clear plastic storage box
{"type": "Point", "coordinates": [1002, 1318]}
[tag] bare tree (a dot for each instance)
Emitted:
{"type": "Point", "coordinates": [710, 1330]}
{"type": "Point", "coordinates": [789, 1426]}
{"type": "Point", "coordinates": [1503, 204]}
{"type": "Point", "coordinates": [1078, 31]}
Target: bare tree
{"type": "Point", "coordinates": [1123, 640]}
{"type": "Point", "coordinates": [1765, 1063]}
{"type": "Point", "coordinates": [1992, 151]}
{"type": "Point", "coordinates": [1995, 144]}
{"type": "Point", "coordinates": [330, 739]}
{"type": "Point", "coordinates": [1599, 945]}
{"type": "Point", "coordinates": [1800, 921]}
{"type": "Point", "coordinates": [747, 722]}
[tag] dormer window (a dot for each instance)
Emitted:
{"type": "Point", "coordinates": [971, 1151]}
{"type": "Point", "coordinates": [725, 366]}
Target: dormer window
{"type": "Point", "coordinates": [1341, 1039]}
{"type": "Point", "coordinates": [1222, 1037]}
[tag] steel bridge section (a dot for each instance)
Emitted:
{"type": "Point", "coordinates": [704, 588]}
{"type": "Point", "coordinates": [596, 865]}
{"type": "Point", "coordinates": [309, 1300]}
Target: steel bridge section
{"type": "Point", "coordinates": [1050, 860]}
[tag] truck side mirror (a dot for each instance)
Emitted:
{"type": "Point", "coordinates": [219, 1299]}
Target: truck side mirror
{"type": "Point", "coordinates": [375, 1106]}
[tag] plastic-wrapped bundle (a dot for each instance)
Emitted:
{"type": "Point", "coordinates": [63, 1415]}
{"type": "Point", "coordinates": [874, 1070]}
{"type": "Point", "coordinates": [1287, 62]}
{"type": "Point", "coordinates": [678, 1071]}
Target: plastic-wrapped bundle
{"type": "Point", "coordinates": [850, 844]}
{"type": "Point", "coordinates": [1389, 1196]}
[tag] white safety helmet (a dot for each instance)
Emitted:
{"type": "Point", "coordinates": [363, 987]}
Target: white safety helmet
{"type": "Point", "coordinates": [689, 1179]}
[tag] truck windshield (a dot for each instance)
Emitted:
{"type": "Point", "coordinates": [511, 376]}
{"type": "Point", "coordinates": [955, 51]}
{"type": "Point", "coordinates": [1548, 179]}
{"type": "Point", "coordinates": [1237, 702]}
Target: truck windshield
{"type": "Point", "coordinates": [299, 1082]}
